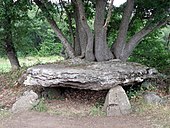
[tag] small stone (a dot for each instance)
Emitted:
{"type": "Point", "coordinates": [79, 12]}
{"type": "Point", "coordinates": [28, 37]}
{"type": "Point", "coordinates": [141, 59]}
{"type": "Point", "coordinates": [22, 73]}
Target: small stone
{"type": "Point", "coordinates": [152, 98]}
{"type": "Point", "coordinates": [25, 102]}
{"type": "Point", "coordinates": [117, 102]}
{"type": "Point", "coordinates": [146, 84]}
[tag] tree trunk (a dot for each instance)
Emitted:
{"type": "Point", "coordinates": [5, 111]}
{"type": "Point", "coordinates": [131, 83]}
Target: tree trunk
{"type": "Point", "coordinates": [77, 46]}
{"type": "Point", "coordinates": [119, 45]}
{"type": "Point", "coordinates": [81, 36]}
{"type": "Point", "coordinates": [89, 54]}
{"type": "Point", "coordinates": [9, 46]}
{"type": "Point", "coordinates": [11, 54]}
{"type": "Point", "coordinates": [102, 52]}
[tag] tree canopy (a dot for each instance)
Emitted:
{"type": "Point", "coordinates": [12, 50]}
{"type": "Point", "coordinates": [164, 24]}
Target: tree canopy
{"type": "Point", "coordinates": [91, 40]}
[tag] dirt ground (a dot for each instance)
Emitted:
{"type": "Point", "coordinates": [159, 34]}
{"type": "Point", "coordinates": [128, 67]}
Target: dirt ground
{"type": "Point", "coordinates": [44, 120]}
{"type": "Point", "coordinates": [71, 111]}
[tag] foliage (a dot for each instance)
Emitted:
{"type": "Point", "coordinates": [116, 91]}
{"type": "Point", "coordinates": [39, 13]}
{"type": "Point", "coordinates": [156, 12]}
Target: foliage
{"type": "Point", "coordinates": [152, 52]}
{"type": "Point", "coordinates": [135, 92]}
{"type": "Point", "coordinates": [96, 110]}
{"type": "Point", "coordinates": [31, 33]}
{"type": "Point", "coordinates": [16, 14]}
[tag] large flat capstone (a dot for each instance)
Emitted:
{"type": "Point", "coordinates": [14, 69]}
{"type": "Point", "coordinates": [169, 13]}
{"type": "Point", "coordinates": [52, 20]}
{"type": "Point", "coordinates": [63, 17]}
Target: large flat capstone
{"type": "Point", "coordinates": [91, 75]}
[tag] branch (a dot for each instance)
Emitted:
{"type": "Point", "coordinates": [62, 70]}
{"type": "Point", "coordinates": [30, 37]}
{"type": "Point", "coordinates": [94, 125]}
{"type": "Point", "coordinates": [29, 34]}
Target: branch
{"type": "Point", "coordinates": [109, 14]}
{"type": "Point", "coordinates": [56, 29]}
{"type": "Point", "coordinates": [135, 40]}
{"type": "Point", "coordinates": [69, 20]}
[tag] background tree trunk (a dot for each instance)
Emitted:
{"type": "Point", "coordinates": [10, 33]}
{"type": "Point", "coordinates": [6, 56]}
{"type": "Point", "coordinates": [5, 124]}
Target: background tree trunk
{"type": "Point", "coordinates": [9, 46]}
{"type": "Point", "coordinates": [102, 52]}
{"type": "Point", "coordinates": [11, 54]}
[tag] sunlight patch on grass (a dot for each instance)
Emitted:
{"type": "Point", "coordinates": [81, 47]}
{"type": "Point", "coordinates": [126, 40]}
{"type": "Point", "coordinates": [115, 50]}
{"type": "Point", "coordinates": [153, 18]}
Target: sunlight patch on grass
{"type": "Point", "coordinates": [28, 61]}
{"type": "Point", "coordinates": [4, 65]}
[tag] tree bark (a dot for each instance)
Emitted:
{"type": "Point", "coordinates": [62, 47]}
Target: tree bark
{"type": "Point", "coordinates": [77, 46]}
{"type": "Point", "coordinates": [89, 54]}
{"type": "Point", "coordinates": [81, 36]}
{"type": "Point", "coordinates": [119, 45]}
{"type": "Point", "coordinates": [9, 46]}
{"type": "Point", "coordinates": [56, 29]}
{"type": "Point", "coordinates": [102, 52]}
{"type": "Point", "coordinates": [11, 54]}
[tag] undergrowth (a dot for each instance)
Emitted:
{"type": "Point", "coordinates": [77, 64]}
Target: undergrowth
{"type": "Point", "coordinates": [41, 106]}
{"type": "Point", "coordinates": [9, 79]}
{"type": "Point", "coordinates": [96, 110]}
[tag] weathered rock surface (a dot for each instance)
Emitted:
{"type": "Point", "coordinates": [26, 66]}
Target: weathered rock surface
{"type": "Point", "coordinates": [94, 75]}
{"type": "Point", "coordinates": [117, 102]}
{"type": "Point", "coordinates": [25, 102]}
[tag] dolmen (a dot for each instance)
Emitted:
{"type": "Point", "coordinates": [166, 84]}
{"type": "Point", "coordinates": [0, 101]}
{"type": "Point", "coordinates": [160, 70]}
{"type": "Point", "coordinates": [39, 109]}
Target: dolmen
{"type": "Point", "coordinates": [109, 75]}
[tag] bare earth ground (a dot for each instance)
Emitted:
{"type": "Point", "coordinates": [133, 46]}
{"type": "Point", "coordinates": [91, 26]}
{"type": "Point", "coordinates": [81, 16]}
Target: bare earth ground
{"type": "Point", "coordinates": [67, 113]}
{"type": "Point", "coordinates": [44, 120]}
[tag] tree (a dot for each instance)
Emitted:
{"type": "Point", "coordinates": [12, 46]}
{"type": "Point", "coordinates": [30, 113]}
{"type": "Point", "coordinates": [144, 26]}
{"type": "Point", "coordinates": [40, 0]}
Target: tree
{"type": "Point", "coordinates": [6, 8]}
{"type": "Point", "coordinates": [14, 29]}
{"type": "Point", "coordinates": [90, 41]}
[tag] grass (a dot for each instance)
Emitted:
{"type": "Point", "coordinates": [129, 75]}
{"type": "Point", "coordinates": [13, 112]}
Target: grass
{"type": "Point", "coordinates": [159, 115]}
{"type": "Point", "coordinates": [96, 110]}
{"type": "Point", "coordinates": [41, 106]}
{"type": "Point", "coordinates": [27, 61]}
{"type": "Point", "coordinates": [4, 113]}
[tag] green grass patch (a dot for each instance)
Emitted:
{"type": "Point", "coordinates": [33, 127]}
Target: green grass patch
{"type": "Point", "coordinates": [41, 106]}
{"type": "Point", "coordinates": [96, 110]}
{"type": "Point", "coordinates": [4, 113]}
{"type": "Point", "coordinates": [28, 61]}
{"type": "Point", "coordinates": [4, 65]}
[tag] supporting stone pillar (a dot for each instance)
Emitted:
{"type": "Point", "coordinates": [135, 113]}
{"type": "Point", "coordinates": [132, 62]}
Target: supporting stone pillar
{"type": "Point", "coordinates": [117, 102]}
